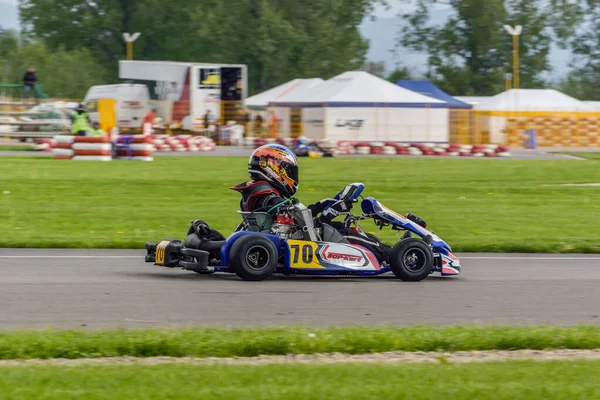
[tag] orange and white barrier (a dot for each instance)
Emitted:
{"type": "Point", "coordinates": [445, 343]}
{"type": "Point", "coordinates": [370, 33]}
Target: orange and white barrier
{"type": "Point", "coordinates": [82, 148]}
{"type": "Point", "coordinates": [183, 143]}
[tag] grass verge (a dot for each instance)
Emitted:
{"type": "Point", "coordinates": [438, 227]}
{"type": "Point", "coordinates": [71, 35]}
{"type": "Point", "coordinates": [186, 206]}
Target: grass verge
{"type": "Point", "coordinates": [589, 155]}
{"type": "Point", "coordinates": [210, 342]}
{"type": "Point", "coordinates": [475, 205]}
{"type": "Point", "coordinates": [506, 380]}
{"type": "Point", "coordinates": [15, 147]}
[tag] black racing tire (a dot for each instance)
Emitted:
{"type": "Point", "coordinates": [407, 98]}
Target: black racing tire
{"type": "Point", "coordinates": [412, 260]}
{"type": "Point", "coordinates": [253, 257]}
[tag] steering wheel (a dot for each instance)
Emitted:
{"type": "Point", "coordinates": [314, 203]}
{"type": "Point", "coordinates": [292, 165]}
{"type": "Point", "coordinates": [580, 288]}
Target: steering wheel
{"type": "Point", "coordinates": [350, 192]}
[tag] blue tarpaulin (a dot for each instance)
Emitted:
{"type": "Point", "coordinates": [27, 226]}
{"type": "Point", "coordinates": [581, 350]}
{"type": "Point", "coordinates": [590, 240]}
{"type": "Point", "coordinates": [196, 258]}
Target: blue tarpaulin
{"type": "Point", "coordinates": [427, 88]}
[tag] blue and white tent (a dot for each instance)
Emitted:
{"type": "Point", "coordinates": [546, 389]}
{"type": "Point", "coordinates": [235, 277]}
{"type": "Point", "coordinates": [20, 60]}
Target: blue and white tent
{"type": "Point", "coordinates": [356, 105]}
{"type": "Point", "coordinates": [428, 88]}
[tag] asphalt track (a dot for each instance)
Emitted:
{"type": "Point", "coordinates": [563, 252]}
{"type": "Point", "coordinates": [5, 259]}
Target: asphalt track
{"type": "Point", "coordinates": [116, 289]}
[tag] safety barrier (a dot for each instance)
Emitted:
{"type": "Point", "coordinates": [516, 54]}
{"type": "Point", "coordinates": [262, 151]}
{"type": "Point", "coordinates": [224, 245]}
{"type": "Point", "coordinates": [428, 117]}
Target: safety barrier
{"type": "Point", "coordinates": [141, 148]}
{"type": "Point", "coordinates": [183, 143]}
{"type": "Point", "coordinates": [346, 147]}
{"type": "Point", "coordinates": [92, 148]}
{"type": "Point", "coordinates": [82, 148]}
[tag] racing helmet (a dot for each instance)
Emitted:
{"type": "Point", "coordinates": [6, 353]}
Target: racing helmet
{"type": "Point", "coordinates": [277, 165]}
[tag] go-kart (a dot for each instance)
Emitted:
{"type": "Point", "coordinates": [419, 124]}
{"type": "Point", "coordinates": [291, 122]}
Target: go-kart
{"type": "Point", "coordinates": [311, 150]}
{"type": "Point", "coordinates": [284, 240]}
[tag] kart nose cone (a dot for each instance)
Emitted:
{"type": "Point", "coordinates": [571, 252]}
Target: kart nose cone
{"type": "Point", "coordinates": [450, 264]}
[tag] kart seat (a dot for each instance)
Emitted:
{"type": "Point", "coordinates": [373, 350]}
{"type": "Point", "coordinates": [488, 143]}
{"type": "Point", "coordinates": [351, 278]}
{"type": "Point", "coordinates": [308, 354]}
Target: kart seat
{"type": "Point", "coordinates": [192, 241]}
{"type": "Point", "coordinates": [330, 234]}
{"type": "Point", "coordinates": [211, 245]}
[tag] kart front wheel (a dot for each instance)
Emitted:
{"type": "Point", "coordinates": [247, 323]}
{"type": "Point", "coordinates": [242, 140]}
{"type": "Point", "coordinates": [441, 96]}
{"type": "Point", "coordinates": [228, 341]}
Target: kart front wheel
{"type": "Point", "coordinates": [412, 260]}
{"type": "Point", "coordinates": [253, 258]}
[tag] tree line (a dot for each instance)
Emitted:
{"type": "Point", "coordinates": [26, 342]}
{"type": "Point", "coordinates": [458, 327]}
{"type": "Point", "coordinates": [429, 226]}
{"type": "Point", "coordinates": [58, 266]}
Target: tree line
{"type": "Point", "coordinates": [75, 44]}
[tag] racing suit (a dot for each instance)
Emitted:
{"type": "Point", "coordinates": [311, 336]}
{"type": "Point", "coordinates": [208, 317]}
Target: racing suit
{"type": "Point", "coordinates": [260, 196]}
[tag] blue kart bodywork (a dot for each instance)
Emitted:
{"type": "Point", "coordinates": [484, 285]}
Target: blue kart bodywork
{"type": "Point", "coordinates": [315, 257]}
{"type": "Point", "coordinates": [446, 263]}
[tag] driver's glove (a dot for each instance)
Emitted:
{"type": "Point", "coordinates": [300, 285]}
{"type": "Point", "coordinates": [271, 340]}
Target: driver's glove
{"type": "Point", "coordinates": [201, 228]}
{"type": "Point", "coordinates": [336, 209]}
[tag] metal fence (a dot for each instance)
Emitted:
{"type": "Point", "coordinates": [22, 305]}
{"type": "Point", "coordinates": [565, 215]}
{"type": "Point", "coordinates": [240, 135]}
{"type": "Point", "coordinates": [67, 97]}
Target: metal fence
{"type": "Point", "coordinates": [33, 118]}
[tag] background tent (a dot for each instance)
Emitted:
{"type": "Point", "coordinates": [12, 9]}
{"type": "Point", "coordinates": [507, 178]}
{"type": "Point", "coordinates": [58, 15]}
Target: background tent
{"type": "Point", "coordinates": [594, 104]}
{"type": "Point", "coordinates": [356, 105]}
{"type": "Point", "coordinates": [261, 101]}
{"type": "Point", "coordinates": [358, 89]}
{"type": "Point", "coordinates": [509, 114]}
{"type": "Point", "coordinates": [427, 88]}
{"type": "Point", "coordinates": [472, 100]}
{"type": "Point", "coordinates": [533, 100]}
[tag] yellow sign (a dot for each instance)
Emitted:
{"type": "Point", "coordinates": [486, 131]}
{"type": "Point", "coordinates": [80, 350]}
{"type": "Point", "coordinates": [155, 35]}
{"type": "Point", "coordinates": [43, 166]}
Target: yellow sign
{"type": "Point", "coordinates": [212, 80]}
{"type": "Point", "coordinates": [303, 254]}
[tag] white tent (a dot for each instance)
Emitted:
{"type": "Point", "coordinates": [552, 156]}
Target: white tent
{"type": "Point", "coordinates": [533, 100]}
{"type": "Point", "coordinates": [356, 105]}
{"type": "Point", "coordinates": [526, 100]}
{"type": "Point", "coordinates": [472, 100]}
{"type": "Point", "coordinates": [594, 104]}
{"type": "Point", "coordinates": [358, 87]}
{"type": "Point", "coordinates": [262, 100]}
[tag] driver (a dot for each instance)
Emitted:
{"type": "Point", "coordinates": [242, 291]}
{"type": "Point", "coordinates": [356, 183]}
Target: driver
{"type": "Point", "coordinates": [273, 172]}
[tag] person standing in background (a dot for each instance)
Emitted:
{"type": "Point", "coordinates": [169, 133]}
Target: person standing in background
{"type": "Point", "coordinates": [30, 82]}
{"type": "Point", "coordinates": [80, 122]}
{"type": "Point", "coordinates": [97, 130]}
{"type": "Point", "coordinates": [148, 122]}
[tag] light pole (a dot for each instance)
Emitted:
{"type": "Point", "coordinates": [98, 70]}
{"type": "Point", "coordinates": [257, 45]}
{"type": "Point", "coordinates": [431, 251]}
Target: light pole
{"type": "Point", "coordinates": [508, 80]}
{"type": "Point", "coordinates": [515, 32]}
{"type": "Point", "coordinates": [129, 39]}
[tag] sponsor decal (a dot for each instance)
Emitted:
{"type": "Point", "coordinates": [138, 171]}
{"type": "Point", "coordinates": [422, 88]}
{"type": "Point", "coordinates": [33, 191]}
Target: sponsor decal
{"type": "Point", "coordinates": [317, 122]}
{"type": "Point", "coordinates": [350, 123]}
{"type": "Point", "coordinates": [341, 256]}
{"type": "Point", "coordinates": [311, 255]}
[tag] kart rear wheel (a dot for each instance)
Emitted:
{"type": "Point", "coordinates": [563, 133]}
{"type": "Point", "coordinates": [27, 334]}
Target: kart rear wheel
{"type": "Point", "coordinates": [253, 257]}
{"type": "Point", "coordinates": [412, 260]}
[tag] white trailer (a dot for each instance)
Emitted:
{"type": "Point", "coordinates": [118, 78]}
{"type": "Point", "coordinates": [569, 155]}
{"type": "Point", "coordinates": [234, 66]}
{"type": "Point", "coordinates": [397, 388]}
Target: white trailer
{"type": "Point", "coordinates": [186, 91]}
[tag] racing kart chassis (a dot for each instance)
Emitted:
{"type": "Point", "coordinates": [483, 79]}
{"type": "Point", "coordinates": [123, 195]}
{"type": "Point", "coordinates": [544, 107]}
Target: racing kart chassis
{"type": "Point", "coordinates": [283, 240]}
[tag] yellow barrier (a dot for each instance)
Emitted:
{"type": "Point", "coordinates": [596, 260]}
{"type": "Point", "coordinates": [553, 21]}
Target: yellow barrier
{"type": "Point", "coordinates": [107, 115]}
{"type": "Point", "coordinates": [553, 129]}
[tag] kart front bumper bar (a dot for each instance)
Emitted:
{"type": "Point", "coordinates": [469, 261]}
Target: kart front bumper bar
{"type": "Point", "coordinates": [170, 253]}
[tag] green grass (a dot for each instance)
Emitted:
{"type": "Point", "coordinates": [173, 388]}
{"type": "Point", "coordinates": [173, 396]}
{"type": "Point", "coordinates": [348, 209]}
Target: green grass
{"type": "Point", "coordinates": [494, 381]}
{"type": "Point", "coordinates": [210, 342]}
{"type": "Point", "coordinates": [475, 205]}
{"type": "Point", "coordinates": [16, 147]}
